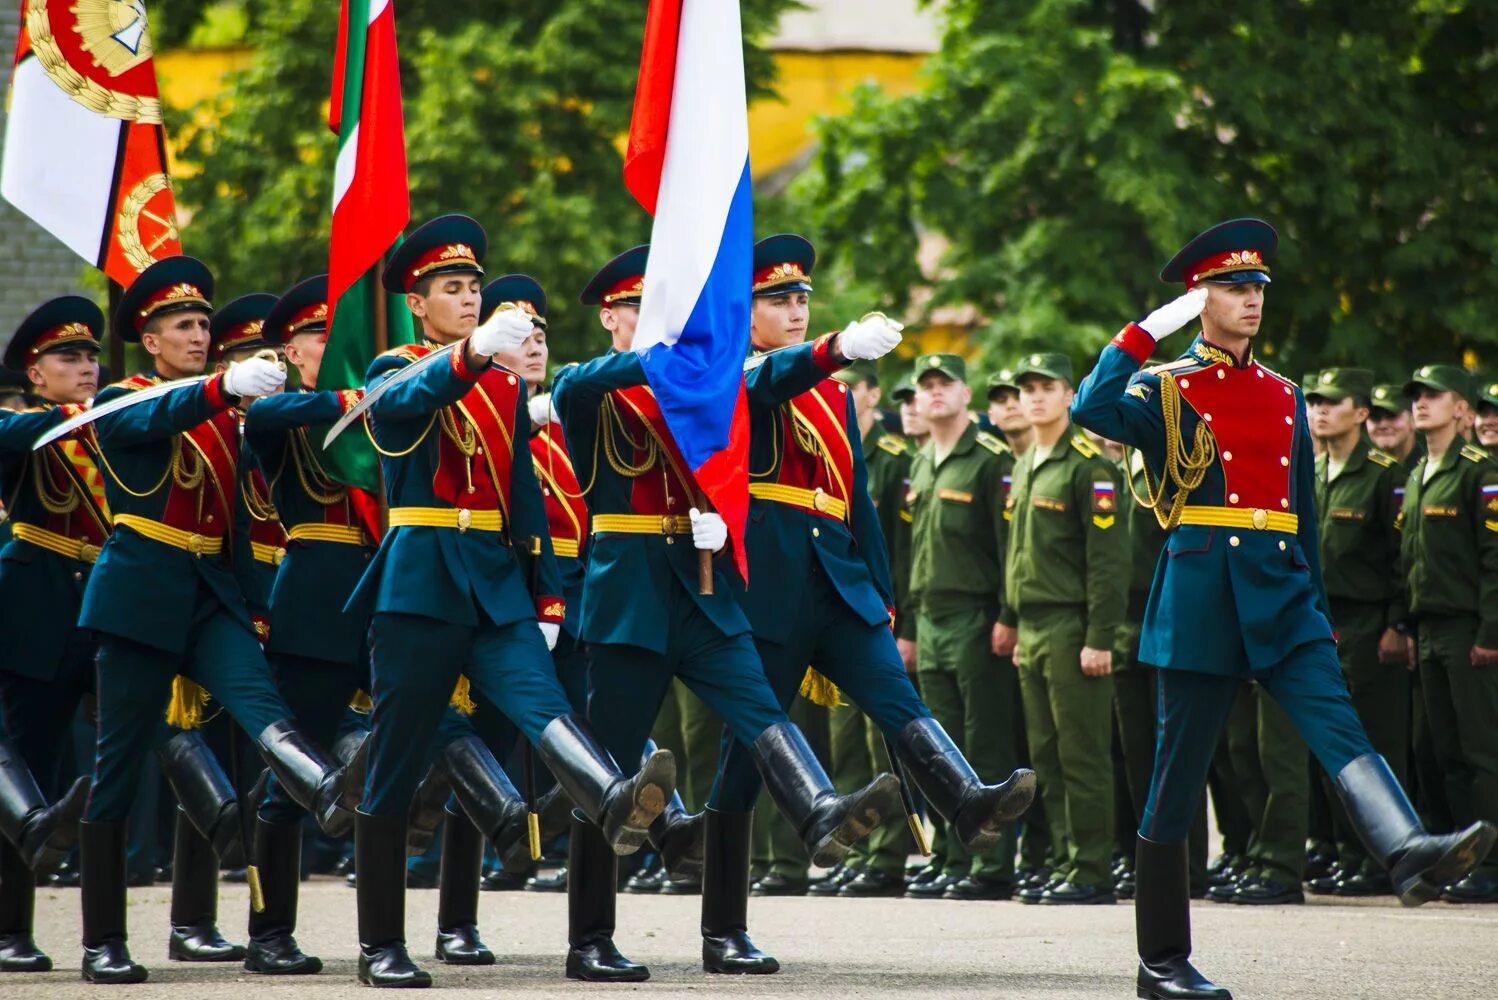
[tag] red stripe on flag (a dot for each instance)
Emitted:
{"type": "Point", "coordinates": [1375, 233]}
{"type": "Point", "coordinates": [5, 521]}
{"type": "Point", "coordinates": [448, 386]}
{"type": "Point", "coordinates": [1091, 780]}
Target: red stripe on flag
{"type": "Point", "coordinates": [646, 154]}
{"type": "Point", "coordinates": [340, 57]}
{"type": "Point", "coordinates": [724, 478]}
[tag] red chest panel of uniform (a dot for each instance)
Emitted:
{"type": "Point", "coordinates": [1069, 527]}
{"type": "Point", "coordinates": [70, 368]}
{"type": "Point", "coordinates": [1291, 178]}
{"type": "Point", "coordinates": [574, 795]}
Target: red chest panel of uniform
{"type": "Point", "coordinates": [815, 452]}
{"type": "Point", "coordinates": [201, 486]}
{"type": "Point", "coordinates": [476, 444]}
{"type": "Point", "coordinates": [566, 513]}
{"type": "Point", "coordinates": [1251, 412]}
{"type": "Point", "coordinates": [666, 487]}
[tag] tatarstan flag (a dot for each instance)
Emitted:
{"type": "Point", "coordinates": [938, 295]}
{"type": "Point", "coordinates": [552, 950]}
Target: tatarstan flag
{"type": "Point", "coordinates": [371, 206]}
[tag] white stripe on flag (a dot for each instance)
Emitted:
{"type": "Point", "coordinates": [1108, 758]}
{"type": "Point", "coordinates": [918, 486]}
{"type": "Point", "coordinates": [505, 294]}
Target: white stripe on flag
{"type": "Point", "coordinates": [706, 152]}
{"type": "Point", "coordinates": [348, 162]}
{"type": "Point", "coordinates": [376, 8]}
{"type": "Point", "coordinates": [59, 158]}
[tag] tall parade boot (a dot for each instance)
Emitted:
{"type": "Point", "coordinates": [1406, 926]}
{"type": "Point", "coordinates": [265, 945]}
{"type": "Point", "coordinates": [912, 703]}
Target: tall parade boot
{"type": "Point", "coordinates": [42, 834]}
{"type": "Point", "coordinates": [677, 837]}
{"type": "Point", "coordinates": [380, 863]}
{"type": "Point", "coordinates": [314, 781]}
{"type": "Point", "coordinates": [1419, 863]}
{"type": "Point", "coordinates": [1162, 924]}
{"type": "Point", "coordinates": [351, 750]}
{"type": "Point", "coordinates": [828, 823]}
{"type": "Point", "coordinates": [106, 958]}
{"type": "Point", "coordinates": [273, 950]}
{"type": "Point", "coordinates": [726, 947]}
{"type": "Point", "coordinates": [484, 791]}
{"type": "Point", "coordinates": [979, 813]}
{"type": "Point", "coordinates": [204, 793]}
{"type": "Point", "coordinates": [553, 817]}
{"type": "Point", "coordinates": [428, 807]}
{"type": "Point", "coordinates": [622, 807]}
{"type": "Point", "coordinates": [458, 941]}
{"type": "Point", "coordinates": [592, 890]}
{"type": "Point", "coordinates": [195, 936]}
{"type": "Point", "coordinates": [18, 950]}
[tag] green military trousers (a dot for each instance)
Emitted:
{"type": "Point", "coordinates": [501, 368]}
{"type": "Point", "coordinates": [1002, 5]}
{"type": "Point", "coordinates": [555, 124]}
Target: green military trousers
{"type": "Point", "coordinates": [1272, 766]}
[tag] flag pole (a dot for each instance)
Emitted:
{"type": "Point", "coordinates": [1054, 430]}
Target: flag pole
{"type": "Point", "coordinates": [381, 345]}
{"type": "Point", "coordinates": [116, 354]}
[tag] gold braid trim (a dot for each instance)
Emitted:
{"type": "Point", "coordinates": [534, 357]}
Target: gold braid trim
{"type": "Point", "coordinates": [608, 419]}
{"type": "Point", "coordinates": [819, 690]}
{"type": "Point", "coordinates": [1185, 470]}
{"type": "Point", "coordinates": [316, 483]}
{"type": "Point", "coordinates": [55, 499]}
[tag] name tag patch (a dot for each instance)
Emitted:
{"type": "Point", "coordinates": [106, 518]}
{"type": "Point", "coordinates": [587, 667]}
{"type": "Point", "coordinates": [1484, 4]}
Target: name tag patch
{"type": "Point", "coordinates": [1047, 503]}
{"type": "Point", "coordinates": [1439, 510]}
{"type": "Point", "coordinates": [956, 496]}
{"type": "Point", "coordinates": [1348, 514]}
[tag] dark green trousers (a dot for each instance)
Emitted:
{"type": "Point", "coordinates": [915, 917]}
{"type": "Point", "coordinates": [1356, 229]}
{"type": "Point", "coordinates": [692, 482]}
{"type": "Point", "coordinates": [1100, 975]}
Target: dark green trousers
{"type": "Point", "coordinates": [1272, 766]}
{"type": "Point", "coordinates": [690, 730]}
{"type": "Point", "coordinates": [858, 753]}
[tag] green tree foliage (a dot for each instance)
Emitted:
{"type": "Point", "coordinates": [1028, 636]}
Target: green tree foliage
{"type": "Point", "coordinates": [515, 114]}
{"type": "Point", "coordinates": [1066, 148]}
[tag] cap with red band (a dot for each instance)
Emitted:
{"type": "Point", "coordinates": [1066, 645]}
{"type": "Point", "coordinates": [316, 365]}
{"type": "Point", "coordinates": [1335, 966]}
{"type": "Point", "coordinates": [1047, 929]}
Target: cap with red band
{"type": "Point", "coordinates": [1233, 252]}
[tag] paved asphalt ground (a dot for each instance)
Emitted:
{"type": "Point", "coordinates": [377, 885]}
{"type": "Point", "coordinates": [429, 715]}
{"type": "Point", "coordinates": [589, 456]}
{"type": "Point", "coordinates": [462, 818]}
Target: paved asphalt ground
{"type": "Point", "coordinates": [835, 949]}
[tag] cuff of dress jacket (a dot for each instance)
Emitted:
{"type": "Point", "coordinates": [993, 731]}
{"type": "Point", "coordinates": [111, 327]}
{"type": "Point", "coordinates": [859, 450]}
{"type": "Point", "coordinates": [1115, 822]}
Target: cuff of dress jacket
{"type": "Point", "coordinates": [551, 609]}
{"type": "Point", "coordinates": [823, 356]}
{"type": "Point", "coordinates": [1100, 637]}
{"type": "Point", "coordinates": [1135, 342]}
{"type": "Point", "coordinates": [348, 399]}
{"type": "Point", "coordinates": [1008, 617]}
{"type": "Point", "coordinates": [461, 367]}
{"type": "Point", "coordinates": [213, 389]}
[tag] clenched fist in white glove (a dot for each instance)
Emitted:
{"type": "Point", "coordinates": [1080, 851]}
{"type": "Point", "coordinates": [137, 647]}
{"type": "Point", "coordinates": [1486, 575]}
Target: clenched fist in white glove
{"type": "Point", "coordinates": [709, 532]}
{"type": "Point", "coordinates": [869, 338]}
{"type": "Point", "coordinates": [550, 631]}
{"type": "Point", "coordinates": [506, 330]}
{"type": "Point", "coordinates": [254, 377]}
{"type": "Point", "coordinates": [541, 410]}
{"type": "Point", "coordinates": [1173, 315]}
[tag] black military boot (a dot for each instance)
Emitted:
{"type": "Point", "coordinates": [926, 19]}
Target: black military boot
{"type": "Point", "coordinates": [351, 750]}
{"type": "Point", "coordinates": [677, 837]}
{"type": "Point", "coordinates": [979, 813]}
{"type": "Point", "coordinates": [380, 862]}
{"type": "Point", "coordinates": [1162, 924]}
{"type": "Point", "coordinates": [593, 874]}
{"type": "Point", "coordinates": [195, 936]}
{"type": "Point", "coordinates": [622, 807]}
{"type": "Point", "coordinates": [313, 780]}
{"type": "Point", "coordinates": [458, 941]}
{"type": "Point", "coordinates": [106, 959]}
{"type": "Point", "coordinates": [42, 834]}
{"type": "Point", "coordinates": [205, 793]}
{"type": "Point", "coordinates": [18, 950]}
{"type": "Point", "coordinates": [828, 823]}
{"type": "Point", "coordinates": [428, 807]}
{"type": "Point", "coordinates": [484, 791]}
{"type": "Point", "coordinates": [726, 947]}
{"type": "Point", "coordinates": [1419, 863]}
{"type": "Point", "coordinates": [553, 817]}
{"type": "Point", "coordinates": [273, 950]}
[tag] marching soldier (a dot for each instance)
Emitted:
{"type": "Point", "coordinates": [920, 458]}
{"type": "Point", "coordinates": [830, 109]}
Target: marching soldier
{"type": "Point", "coordinates": [957, 496]}
{"type": "Point", "coordinates": [1065, 589]}
{"type": "Point", "coordinates": [58, 520]}
{"type": "Point", "coordinates": [1391, 427]}
{"type": "Point", "coordinates": [1239, 594]}
{"type": "Point", "coordinates": [1357, 503]}
{"type": "Point", "coordinates": [171, 463]}
{"type": "Point", "coordinates": [1450, 552]}
{"type": "Point", "coordinates": [646, 623]}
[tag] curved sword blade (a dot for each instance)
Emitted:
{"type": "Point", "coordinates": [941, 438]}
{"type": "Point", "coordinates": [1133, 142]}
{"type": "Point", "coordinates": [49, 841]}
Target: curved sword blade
{"type": "Point", "coordinates": [358, 409]}
{"type": "Point", "coordinates": [93, 413]}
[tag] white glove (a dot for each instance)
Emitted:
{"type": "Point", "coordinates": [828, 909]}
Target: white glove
{"type": "Point", "coordinates": [550, 631]}
{"type": "Point", "coordinates": [505, 331]}
{"type": "Point", "coordinates": [541, 410]}
{"type": "Point", "coordinates": [1173, 315]}
{"type": "Point", "coordinates": [869, 339]}
{"type": "Point", "coordinates": [254, 377]}
{"type": "Point", "coordinates": [708, 530]}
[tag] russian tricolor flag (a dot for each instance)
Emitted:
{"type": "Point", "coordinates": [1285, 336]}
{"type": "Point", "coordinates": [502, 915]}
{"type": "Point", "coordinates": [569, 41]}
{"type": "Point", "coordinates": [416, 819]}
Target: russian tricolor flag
{"type": "Point", "coordinates": [688, 165]}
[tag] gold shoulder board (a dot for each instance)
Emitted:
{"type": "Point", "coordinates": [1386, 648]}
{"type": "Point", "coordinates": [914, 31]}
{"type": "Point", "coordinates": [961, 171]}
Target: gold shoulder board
{"type": "Point", "coordinates": [892, 444]}
{"type": "Point", "coordinates": [1171, 366]}
{"type": "Point", "coordinates": [1473, 453]}
{"type": "Point", "coordinates": [992, 443]}
{"type": "Point", "coordinates": [1271, 371]}
{"type": "Point", "coordinates": [1086, 447]}
{"type": "Point", "coordinates": [1382, 458]}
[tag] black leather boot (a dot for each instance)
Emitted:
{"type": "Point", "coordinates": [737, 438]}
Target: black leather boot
{"type": "Point", "coordinates": [273, 949]}
{"type": "Point", "coordinates": [205, 793]}
{"type": "Point", "coordinates": [1419, 863]}
{"type": "Point", "coordinates": [18, 950]}
{"type": "Point", "coordinates": [828, 823]}
{"type": "Point", "coordinates": [484, 791]}
{"type": "Point", "coordinates": [458, 941]}
{"type": "Point", "coordinates": [553, 817]}
{"type": "Point", "coordinates": [351, 751]}
{"type": "Point", "coordinates": [380, 863]}
{"type": "Point", "coordinates": [622, 807]}
{"type": "Point", "coordinates": [313, 779]}
{"type": "Point", "coordinates": [195, 936]}
{"type": "Point", "coordinates": [677, 836]}
{"type": "Point", "coordinates": [106, 959]}
{"type": "Point", "coordinates": [726, 947]}
{"type": "Point", "coordinates": [1162, 924]}
{"type": "Point", "coordinates": [428, 807]}
{"type": "Point", "coordinates": [42, 834]}
{"type": "Point", "coordinates": [593, 875]}
{"type": "Point", "coordinates": [979, 813]}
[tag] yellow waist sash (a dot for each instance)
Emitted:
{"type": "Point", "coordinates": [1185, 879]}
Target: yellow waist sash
{"type": "Point", "coordinates": [72, 548]}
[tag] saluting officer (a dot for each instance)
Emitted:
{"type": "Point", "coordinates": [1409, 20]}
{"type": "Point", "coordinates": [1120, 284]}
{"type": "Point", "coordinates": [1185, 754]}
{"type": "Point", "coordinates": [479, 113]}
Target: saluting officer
{"type": "Point", "coordinates": [1239, 593]}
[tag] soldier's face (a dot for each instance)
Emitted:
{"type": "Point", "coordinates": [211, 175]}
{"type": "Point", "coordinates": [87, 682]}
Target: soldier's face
{"type": "Point", "coordinates": [1390, 431]}
{"type": "Point", "coordinates": [305, 351]}
{"type": "Point", "coordinates": [1336, 419]}
{"type": "Point", "coordinates": [450, 309]}
{"type": "Point", "coordinates": [912, 421]}
{"type": "Point", "coordinates": [942, 398]}
{"type": "Point", "coordinates": [529, 362]}
{"type": "Point", "coordinates": [1233, 310]}
{"type": "Point", "coordinates": [779, 320]}
{"type": "Point", "coordinates": [1435, 410]}
{"type": "Point", "coordinates": [620, 322]}
{"type": "Point", "coordinates": [1487, 426]}
{"type": "Point", "coordinates": [866, 396]}
{"type": "Point", "coordinates": [178, 342]}
{"type": "Point", "coordinates": [1006, 413]}
{"type": "Point", "coordinates": [70, 376]}
{"type": "Point", "coordinates": [1044, 400]}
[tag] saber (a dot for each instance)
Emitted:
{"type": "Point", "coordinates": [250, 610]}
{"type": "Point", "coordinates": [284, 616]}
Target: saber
{"type": "Point", "coordinates": [907, 801]}
{"type": "Point", "coordinates": [93, 413]}
{"type": "Point", "coordinates": [528, 752]}
{"type": "Point", "coordinates": [356, 412]}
